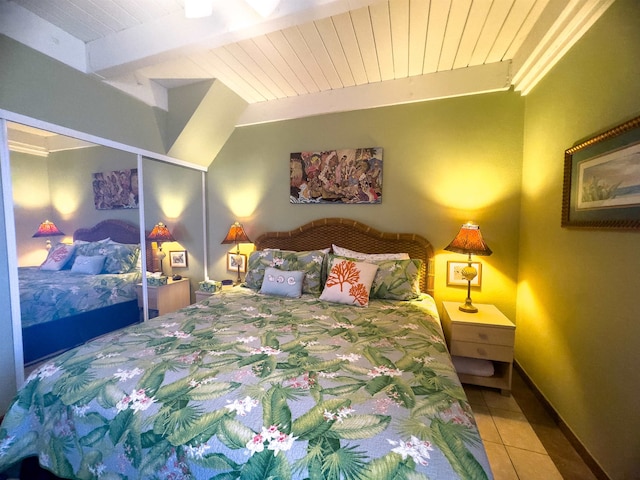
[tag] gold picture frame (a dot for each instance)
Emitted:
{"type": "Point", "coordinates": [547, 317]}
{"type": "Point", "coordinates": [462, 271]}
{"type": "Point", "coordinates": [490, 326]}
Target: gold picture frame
{"type": "Point", "coordinates": [601, 186]}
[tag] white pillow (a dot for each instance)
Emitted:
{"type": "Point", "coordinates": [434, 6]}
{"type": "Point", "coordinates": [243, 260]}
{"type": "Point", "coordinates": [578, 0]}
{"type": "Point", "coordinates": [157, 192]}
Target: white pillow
{"type": "Point", "coordinates": [349, 282]}
{"type": "Point", "coordinates": [345, 252]}
{"type": "Point", "coordinates": [284, 283]}
{"type": "Point", "coordinates": [473, 366]}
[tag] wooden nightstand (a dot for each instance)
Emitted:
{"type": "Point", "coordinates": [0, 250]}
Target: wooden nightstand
{"type": "Point", "coordinates": [167, 298]}
{"type": "Point", "coordinates": [487, 335]}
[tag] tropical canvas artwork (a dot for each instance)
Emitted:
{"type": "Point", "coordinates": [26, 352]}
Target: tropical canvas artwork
{"type": "Point", "coordinates": [352, 175]}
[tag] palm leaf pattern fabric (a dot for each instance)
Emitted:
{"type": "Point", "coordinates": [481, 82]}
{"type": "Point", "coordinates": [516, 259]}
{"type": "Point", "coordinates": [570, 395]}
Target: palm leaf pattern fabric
{"type": "Point", "coordinates": [245, 386]}
{"type": "Point", "coordinates": [49, 295]}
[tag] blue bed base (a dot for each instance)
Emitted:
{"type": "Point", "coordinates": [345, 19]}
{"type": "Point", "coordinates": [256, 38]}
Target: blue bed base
{"type": "Point", "coordinates": [44, 340]}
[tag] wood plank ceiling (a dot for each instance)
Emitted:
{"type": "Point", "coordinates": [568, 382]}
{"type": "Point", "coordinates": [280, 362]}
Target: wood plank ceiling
{"type": "Point", "coordinates": [308, 55]}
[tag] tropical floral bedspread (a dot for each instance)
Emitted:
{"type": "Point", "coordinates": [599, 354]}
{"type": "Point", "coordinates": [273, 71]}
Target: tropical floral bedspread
{"type": "Point", "coordinates": [48, 295]}
{"type": "Point", "coordinates": [247, 386]}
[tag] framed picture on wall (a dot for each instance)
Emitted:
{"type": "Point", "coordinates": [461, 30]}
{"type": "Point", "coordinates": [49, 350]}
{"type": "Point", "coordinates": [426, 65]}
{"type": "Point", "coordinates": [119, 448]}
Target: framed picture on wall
{"type": "Point", "coordinates": [350, 175]}
{"type": "Point", "coordinates": [454, 274]}
{"type": "Point", "coordinates": [601, 187]}
{"type": "Point", "coordinates": [235, 260]}
{"type": "Point", "coordinates": [178, 258]}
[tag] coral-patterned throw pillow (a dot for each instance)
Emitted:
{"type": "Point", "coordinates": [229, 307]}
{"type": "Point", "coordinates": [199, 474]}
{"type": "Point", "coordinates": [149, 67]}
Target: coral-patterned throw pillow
{"type": "Point", "coordinates": [57, 257]}
{"type": "Point", "coordinates": [349, 282]}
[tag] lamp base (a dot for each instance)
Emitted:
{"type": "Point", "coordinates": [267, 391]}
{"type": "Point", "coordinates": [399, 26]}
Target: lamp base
{"type": "Point", "coordinates": [468, 308]}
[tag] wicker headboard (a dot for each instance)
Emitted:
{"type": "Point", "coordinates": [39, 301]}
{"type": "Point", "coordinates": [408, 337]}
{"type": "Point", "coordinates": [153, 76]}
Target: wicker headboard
{"type": "Point", "coordinates": [357, 236]}
{"type": "Point", "coordinates": [118, 230]}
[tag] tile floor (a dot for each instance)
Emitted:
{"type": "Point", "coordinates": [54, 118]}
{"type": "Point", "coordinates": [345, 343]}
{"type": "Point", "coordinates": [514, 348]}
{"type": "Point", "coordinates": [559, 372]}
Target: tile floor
{"type": "Point", "coordinates": [522, 440]}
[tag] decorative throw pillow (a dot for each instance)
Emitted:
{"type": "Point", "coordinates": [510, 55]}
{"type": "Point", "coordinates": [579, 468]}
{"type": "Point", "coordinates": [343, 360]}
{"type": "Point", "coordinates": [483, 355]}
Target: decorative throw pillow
{"type": "Point", "coordinates": [367, 257]}
{"type": "Point", "coordinates": [57, 257]}
{"type": "Point", "coordinates": [89, 265]}
{"type": "Point", "coordinates": [309, 262]}
{"type": "Point", "coordinates": [282, 282]}
{"type": "Point", "coordinates": [89, 249]}
{"type": "Point", "coordinates": [397, 279]}
{"type": "Point", "coordinates": [121, 257]}
{"type": "Point", "coordinates": [349, 282]}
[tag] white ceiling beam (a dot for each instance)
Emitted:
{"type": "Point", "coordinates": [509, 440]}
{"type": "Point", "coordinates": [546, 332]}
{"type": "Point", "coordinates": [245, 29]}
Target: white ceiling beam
{"type": "Point", "coordinates": [27, 28]}
{"type": "Point", "coordinates": [465, 81]}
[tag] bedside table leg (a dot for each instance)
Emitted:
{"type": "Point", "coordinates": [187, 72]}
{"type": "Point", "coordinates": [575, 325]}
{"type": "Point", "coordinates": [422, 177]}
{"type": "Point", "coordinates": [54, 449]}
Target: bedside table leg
{"type": "Point", "coordinates": [505, 392]}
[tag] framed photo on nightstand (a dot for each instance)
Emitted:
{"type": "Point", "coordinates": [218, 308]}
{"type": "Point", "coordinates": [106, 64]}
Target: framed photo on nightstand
{"type": "Point", "coordinates": [235, 260]}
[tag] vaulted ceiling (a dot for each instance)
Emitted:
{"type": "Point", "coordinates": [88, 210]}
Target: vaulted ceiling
{"type": "Point", "coordinates": [307, 57]}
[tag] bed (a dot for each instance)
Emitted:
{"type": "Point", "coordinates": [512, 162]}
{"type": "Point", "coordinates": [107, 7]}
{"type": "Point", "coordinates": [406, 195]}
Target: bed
{"type": "Point", "coordinates": [255, 384]}
{"type": "Point", "coordinates": [61, 309]}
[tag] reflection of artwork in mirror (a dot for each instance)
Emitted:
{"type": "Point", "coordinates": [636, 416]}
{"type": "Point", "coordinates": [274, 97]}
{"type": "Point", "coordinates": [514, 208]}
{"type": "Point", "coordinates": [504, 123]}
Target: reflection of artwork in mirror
{"type": "Point", "coordinates": [178, 258]}
{"type": "Point", "coordinates": [116, 189]}
{"type": "Point", "coordinates": [237, 262]}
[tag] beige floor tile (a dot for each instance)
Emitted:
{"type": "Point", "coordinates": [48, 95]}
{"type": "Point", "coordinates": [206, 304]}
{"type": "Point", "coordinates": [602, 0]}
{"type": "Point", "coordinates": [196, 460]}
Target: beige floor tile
{"type": "Point", "coordinates": [495, 399]}
{"type": "Point", "coordinates": [474, 394]}
{"type": "Point", "coordinates": [488, 430]}
{"type": "Point", "coordinates": [500, 462]}
{"type": "Point", "coordinates": [533, 466]}
{"type": "Point", "coordinates": [515, 431]}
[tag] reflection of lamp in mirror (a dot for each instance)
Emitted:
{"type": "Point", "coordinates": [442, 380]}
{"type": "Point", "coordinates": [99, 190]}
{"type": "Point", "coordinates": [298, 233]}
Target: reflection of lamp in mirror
{"type": "Point", "coordinates": [469, 241]}
{"type": "Point", "coordinates": [160, 233]}
{"type": "Point", "coordinates": [237, 235]}
{"type": "Point", "coordinates": [47, 229]}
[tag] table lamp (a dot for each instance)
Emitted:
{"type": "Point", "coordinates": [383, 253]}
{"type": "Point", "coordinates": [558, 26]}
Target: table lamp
{"type": "Point", "coordinates": [47, 229]}
{"type": "Point", "coordinates": [469, 241]}
{"type": "Point", "coordinates": [237, 235]}
{"type": "Point", "coordinates": [160, 233]}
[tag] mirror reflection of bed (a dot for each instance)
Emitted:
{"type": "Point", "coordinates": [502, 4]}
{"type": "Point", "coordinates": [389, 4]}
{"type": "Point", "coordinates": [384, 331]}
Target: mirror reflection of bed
{"type": "Point", "coordinates": [63, 306]}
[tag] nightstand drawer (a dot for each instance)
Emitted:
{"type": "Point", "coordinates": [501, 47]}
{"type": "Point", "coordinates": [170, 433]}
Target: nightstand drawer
{"type": "Point", "coordinates": [483, 334]}
{"type": "Point", "coordinates": [482, 350]}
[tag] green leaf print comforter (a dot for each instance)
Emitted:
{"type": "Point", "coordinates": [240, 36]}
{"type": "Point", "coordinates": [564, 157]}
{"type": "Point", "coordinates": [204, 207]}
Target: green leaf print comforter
{"type": "Point", "coordinates": [249, 386]}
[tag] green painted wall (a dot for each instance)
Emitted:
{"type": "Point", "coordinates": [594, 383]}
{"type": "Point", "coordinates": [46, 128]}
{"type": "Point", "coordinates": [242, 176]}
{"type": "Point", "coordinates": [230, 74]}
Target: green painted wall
{"type": "Point", "coordinates": [31, 205]}
{"type": "Point", "coordinates": [445, 162]}
{"type": "Point", "coordinates": [37, 86]}
{"type": "Point", "coordinates": [578, 333]}
{"type": "Point", "coordinates": [173, 195]}
{"type": "Point", "coordinates": [70, 182]}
